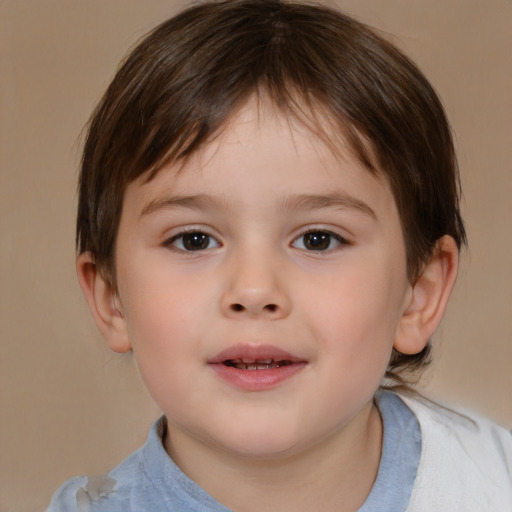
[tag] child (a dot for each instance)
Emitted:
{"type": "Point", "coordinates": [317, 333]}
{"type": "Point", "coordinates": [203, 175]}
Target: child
{"type": "Point", "coordinates": [269, 218]}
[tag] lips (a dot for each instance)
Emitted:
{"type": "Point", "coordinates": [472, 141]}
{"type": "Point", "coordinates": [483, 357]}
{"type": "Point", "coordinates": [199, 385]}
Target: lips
{"type": "Point", "coordinates": [263, 354]}
{"type": "Point", "coordinates": [259, 364]}
{"type": "Point", "coordinates": [255, 367]}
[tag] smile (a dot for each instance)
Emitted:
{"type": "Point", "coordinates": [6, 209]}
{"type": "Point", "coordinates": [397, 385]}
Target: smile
{"type": "Point", "coordinates": [255, 367]}
{"type": "Point", "coordinates": [248, 364]}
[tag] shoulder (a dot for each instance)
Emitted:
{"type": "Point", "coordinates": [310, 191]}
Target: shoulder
{"type": "Point", "coordinates": [64, 498]}
{"type": "Point", "coordinates": [465, 462]}
{"type": "Point", "coordinates": [112, 492]}
{"type": "Point", "coordinates": [462, 427]}
{"type": "Point", "coordinates": [148, 480]}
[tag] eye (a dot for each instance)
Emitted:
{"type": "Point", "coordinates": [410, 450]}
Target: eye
{"type": "Point", "coordinates": [318, 240]}
{"type": "Point", "coordinates": [193, 241]}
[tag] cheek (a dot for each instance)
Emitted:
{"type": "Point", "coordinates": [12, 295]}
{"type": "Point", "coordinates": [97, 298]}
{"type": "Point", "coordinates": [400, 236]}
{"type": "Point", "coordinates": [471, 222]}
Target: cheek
{"type": "Point", "coordinates": [161, 300]}
{"type": "Point", "coordinates": [165, 339]}
{"type": "Point", "coordinates": [356, 312]}
{"type": "Point", "coordinates": [162, 320]}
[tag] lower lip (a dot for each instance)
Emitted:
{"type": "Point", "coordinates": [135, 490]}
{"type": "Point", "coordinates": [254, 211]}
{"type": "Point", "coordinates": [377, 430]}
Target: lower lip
{"type": "Point", "coordinates": [256, 380]}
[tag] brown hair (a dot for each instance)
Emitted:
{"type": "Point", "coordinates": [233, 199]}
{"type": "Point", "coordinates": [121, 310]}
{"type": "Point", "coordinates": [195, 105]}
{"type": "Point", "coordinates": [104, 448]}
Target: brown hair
{"type": "Point", "coordinates": [189, 76]}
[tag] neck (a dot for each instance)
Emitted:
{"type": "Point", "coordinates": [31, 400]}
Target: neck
{"type": "Point", "coordinates": [336, 474]}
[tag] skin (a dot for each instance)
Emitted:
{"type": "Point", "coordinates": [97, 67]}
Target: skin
{"type": "Point", "coordinates": [254, 195]}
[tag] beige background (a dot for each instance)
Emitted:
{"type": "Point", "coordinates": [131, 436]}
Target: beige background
{"type": "Point", "coordinates": [67, 406]}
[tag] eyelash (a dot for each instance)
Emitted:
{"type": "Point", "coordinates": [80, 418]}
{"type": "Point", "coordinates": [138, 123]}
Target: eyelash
{"type": "Point", "coordinates": [171, 242]}
{"type": "Point", "coordinates": [325, 236]}
{"type": "Point", "coordinates": [324, 232]}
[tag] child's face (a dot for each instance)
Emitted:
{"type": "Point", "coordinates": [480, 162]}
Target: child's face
{"type": "Point", "coordinates": [265, 246]}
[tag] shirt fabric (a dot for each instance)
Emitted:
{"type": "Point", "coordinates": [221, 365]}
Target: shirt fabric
{"type": "Point", "coordinates": [465, 462]}
{"type": "Point", "coordinates": [420, 441]}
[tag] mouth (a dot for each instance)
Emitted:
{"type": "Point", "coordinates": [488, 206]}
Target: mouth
{"type": "Point", "coordinates": [260, 364]}
{"type": "Point", "coordinates": [255, 367]}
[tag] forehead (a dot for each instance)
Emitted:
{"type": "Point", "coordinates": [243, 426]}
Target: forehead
{"type": "Point", "coordinates": [264, 154]}
{"type": "Point", "coordinates": [301, 113]}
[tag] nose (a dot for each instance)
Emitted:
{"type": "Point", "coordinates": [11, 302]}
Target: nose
{"type": "Point", "coordinates": [255, 288]}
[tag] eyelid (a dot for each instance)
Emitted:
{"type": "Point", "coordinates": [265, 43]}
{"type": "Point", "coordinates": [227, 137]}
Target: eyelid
{"type": "Point", "coordinates": [180, 232]}
{"type": "Point", "coordinates": [336, 231]}
{"type": "Point", "coordinates": [342, 240]}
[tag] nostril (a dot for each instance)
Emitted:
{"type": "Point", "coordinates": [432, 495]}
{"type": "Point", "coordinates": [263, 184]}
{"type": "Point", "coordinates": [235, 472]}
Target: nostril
{"type": "Point", "coordinates": [272, 308]}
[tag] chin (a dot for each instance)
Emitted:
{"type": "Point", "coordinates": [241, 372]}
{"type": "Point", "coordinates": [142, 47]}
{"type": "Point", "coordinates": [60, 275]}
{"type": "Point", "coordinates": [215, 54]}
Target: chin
{"type": "Point", "coordinates": [263, 443]}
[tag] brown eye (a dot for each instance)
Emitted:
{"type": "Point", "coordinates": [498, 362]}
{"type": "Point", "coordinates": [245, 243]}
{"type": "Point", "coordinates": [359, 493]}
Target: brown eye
{"type": "Point", "coordinates": [193, 241]}
{"type": "Point", "coordinates": [318, 241]}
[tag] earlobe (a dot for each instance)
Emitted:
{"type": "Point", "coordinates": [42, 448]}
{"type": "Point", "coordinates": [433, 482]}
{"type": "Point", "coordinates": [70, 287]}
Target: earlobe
{"type": "Point", "coordinates": [428, 297]}
{"type": "Point", "coordinates": [103, 303]}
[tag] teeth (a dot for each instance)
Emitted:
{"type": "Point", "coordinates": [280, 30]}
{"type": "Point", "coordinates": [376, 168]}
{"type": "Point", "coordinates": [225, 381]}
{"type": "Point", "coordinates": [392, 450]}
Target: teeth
{"type": "Point", "coordinates": [246, 360]}
{"type": "Point", "coordinates": [257, 366]}
{"type": "Point", "coordinates": [251, 364]}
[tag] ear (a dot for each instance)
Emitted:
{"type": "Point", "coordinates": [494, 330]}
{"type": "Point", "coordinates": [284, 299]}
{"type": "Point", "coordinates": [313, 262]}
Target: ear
{"type": "Point", "coordinates": [103, 302]}
{"type": "Point", "coordinates": [427, 298]}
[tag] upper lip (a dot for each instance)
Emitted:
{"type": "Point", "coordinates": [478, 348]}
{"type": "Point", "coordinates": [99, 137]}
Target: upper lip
{"type": "Point", "coordinates": [252, 353]}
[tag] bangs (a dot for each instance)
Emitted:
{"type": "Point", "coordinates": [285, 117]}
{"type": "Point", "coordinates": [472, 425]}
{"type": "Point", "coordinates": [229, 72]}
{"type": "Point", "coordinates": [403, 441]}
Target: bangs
{"type": "Point", "coordinates": [183, 103]}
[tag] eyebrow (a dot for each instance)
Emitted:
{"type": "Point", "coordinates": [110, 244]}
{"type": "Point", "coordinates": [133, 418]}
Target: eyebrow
{"type": "Point", "coordinates": [289, 203]}
{"type": "Point", "coordinates": [194, 202]}
{"type": "Point", "coordinates": [318, 201]}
